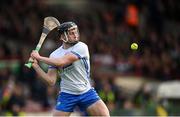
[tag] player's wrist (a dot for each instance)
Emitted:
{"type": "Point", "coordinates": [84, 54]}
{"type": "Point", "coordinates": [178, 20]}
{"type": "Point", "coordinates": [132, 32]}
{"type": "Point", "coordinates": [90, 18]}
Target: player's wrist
{"type": "Point", "coordinates": [40, 58]}
{"type": "Point", "coordinates": [36, 66]}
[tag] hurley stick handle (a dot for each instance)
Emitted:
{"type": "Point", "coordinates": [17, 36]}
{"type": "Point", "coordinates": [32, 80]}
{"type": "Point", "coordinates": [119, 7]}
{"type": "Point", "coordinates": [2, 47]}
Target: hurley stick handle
{"type": "Point", "coordinates": [50, 23]}
{"type": "Point", "coordinates": [29, 63]}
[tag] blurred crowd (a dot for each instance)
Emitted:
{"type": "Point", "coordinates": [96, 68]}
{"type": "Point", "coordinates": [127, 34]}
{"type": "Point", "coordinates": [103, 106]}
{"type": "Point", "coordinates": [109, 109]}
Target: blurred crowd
{"type": "Point", "coordinates": [108, 28]}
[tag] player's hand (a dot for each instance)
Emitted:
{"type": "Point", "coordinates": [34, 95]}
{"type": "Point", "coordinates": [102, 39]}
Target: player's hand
{"type": "Point", "coordinates": [35, 55]}
{"type": "Point", "coordinates": [35, 63]}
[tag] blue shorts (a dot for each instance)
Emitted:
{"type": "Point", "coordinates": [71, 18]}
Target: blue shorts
{"type": "Point", "coordinates": [67, 102]}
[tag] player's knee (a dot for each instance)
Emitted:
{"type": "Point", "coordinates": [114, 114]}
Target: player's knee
{"type": "Point", "coordinates": [60, 113]}
{"type": "Point", "coordinates": [104, 111]}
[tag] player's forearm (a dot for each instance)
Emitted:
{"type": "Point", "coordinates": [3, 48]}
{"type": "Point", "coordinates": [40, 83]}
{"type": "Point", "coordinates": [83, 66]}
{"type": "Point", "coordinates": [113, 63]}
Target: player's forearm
{"type": "Point", "coordinates": [44, 76]}
{"type": "Point", "coordinates": [52, 61]}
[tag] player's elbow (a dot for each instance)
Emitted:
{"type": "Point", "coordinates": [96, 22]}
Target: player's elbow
{"type": "Point", "coordinates": [51, 83]}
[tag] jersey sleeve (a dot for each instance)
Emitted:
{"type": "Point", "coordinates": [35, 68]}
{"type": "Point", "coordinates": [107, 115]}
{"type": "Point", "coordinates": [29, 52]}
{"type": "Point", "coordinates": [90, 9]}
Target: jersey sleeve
{"type": "Point", "coordinates": [81, 51]}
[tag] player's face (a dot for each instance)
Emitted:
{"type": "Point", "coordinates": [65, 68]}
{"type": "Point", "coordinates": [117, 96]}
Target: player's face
{"type": "Point", "coordinates": [73, 35]}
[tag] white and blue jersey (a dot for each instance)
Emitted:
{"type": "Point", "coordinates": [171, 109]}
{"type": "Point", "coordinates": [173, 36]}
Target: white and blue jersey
{"type": "Point", "coordinates": [75, 78]}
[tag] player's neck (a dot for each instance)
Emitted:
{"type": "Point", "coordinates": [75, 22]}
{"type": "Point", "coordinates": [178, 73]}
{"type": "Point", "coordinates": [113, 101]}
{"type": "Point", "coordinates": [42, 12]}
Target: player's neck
{"type": "Point", "coordinates": [66, 46]}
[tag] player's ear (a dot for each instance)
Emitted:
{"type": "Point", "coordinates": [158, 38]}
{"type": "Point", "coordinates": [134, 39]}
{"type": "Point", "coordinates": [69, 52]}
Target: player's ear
{"type": "Point", "coordinates": [62, 37]}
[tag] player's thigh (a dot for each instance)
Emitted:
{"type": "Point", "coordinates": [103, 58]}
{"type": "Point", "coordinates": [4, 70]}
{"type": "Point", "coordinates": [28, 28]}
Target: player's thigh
{"type": "Point", "coordinates": [60, 113]}
{"type": "Point", "coordinates": [98, 109]}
